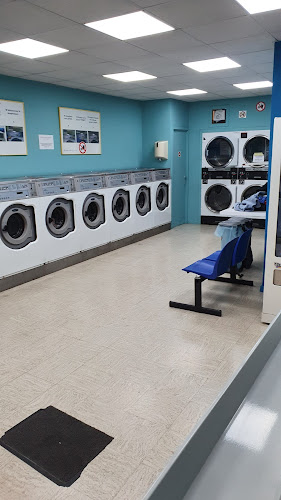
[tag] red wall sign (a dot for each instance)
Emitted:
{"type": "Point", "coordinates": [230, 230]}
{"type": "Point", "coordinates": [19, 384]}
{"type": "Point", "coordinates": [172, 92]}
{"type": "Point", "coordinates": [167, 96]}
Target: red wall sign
{"type": "Point", "coordinates": [260, 106]}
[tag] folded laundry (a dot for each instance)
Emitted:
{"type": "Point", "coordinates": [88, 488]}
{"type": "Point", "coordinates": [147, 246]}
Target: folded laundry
{"type": "Point", "coordinates": [254, 202]}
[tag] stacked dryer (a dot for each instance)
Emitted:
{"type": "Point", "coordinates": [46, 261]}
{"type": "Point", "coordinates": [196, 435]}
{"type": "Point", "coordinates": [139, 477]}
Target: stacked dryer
{"type": "Point", "coordinates": [20, 228]}
{"type": "Point", "coordinates": [253, 162]}
{"type": "Point", "coordinates": [161, 196]}
{"type": "Point", "coordinates": [92, 206]}
{"type": "Point", "coordinates": [220, 154]}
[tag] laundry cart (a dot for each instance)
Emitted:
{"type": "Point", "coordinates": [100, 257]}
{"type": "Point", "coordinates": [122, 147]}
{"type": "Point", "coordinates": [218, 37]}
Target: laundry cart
{"type": "Point", "coordinates": [234, 452]}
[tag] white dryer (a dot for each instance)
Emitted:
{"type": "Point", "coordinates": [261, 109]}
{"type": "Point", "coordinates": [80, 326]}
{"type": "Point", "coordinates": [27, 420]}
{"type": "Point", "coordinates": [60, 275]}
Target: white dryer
{"type": "Point", "coordinates": [220, 150]}
{"type": "Point", "coordinates": [161, 196]}
{"type": "Point", "coordinates": [119, 209]}
{"type": "Point", "coordinates": [141, 193]}
{"type": "Point", "coordinates": [250, 182]}
{"type": "Point", "coordinates": [218, 192]}
{"type": "Point", "coordinates": [58, 211]}
{"type": "Point", "coordinates": [21, 244]}
{"type": "Point", "coordinates": [254, 148]}
{"type": "Point", "coordinates": [91, 217]}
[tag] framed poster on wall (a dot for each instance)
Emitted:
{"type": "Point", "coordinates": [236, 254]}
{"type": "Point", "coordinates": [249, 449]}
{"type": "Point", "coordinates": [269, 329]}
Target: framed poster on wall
{"type": "Point", "coordinates": [12, 128]}
{"type": "Point", "coordinates": [80, 132]}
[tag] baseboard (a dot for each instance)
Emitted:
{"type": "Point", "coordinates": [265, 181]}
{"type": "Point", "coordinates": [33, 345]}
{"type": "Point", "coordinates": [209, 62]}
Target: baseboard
{"type": "Point", "coordinates": [51, 267]}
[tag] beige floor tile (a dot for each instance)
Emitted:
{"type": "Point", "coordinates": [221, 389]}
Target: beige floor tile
{"type": "Point", "coordinates": [115, 356]}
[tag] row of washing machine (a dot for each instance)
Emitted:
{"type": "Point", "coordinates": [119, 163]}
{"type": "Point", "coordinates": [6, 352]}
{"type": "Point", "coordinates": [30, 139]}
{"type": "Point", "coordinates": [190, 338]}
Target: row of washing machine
{"type": "Point", "coordinates": [234, 166]}
{"type": "Point", "coordinates": [46, 219]}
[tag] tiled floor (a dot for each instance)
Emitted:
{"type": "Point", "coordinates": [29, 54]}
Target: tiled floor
{"type": "Point", "coordinates": [99, 342]}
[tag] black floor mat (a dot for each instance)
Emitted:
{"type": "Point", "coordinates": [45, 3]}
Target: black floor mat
{"type": "Point", "coordinates": [55, 444]}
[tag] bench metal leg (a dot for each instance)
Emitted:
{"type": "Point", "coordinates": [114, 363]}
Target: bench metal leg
{"type": "Point", "coordinates": [233, 278]}
{"type": "Point", "coordinates": [198, 301]}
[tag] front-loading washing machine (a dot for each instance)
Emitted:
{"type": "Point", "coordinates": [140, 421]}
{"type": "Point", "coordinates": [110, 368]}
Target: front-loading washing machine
{"type": "Point", "coordinates": [91, 217]}
{"type": "Point", "coordinates": [254, 148]}
{"type": "Point", "coordinates": [119, 212]}
{"type": "Point", "coordinates": [220, 150]}
{"type": "Point", "coordinates": [58, 210]}
{"type": "Point", "coordinates": [21, 231]}
{"type": "Point", "coordinates": [161, 197]}
{"type": "Point", "coordinates": [141, 193]}
{"type": "Point", "coordinates": [218, 192]}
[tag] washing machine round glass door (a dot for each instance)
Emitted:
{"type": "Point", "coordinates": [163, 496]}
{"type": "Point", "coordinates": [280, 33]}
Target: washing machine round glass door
{"type": "Point", "coordinates": [17, 226]}
{"type": "Point", "coordinates": [162, 196]}
{"type": "Point", "coordinates": [121, 205]}
{"type": "Point", "coordinates": [219, 152]}
{"type": "Point", "coordinates": [143, 203]}
{"type": "Point", "coordinates": [257, 144]}
{"type": "Point", "coordinates": [249, 191]}
{"type": "Point", "coordinates": [218, 198]}
{"type": "Point", "coordinates": [93, 211]}
{"type": "Point", "coordinates": [60, 217]}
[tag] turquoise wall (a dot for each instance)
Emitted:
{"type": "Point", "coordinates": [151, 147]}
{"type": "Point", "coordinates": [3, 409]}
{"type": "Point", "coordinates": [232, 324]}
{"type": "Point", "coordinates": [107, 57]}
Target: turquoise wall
{"type": "Point", "coordinates": [121, 130]}
{"type": "Point", "coordinates": [128, 131]}
{"type": "Point", "coordinates": [200, 121]}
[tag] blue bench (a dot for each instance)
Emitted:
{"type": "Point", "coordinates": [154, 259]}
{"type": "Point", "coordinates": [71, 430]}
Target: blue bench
{"type": "Point", "coordinates": [213, 266]}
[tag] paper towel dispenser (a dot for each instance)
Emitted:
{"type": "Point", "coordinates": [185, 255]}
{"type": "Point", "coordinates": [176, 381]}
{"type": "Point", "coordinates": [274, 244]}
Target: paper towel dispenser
{"type": "Point", "coordinates": [161, 150]}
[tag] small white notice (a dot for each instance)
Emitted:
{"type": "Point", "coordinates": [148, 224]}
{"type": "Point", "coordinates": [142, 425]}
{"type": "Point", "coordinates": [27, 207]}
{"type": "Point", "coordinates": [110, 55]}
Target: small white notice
{"type": "Point", "coordinates": [258, 158]}
{"type": "Point", "coordinates": [243, 114]}
{"type": "Point", "coordinates": [46, 142]}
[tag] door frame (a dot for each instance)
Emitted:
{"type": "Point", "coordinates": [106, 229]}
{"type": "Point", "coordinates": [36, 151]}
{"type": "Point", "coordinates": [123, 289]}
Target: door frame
{"type": "Point", "coordinates": [186, 130]}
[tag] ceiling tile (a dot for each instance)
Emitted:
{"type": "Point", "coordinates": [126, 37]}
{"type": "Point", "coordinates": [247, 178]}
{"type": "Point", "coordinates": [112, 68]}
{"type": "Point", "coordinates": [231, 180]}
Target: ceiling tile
{"type": "Point", "coordinates": [12, 72]}
{"type": "Point", "coordinates": [84, 11]}
{"type": "Point", "coordinates": [116, 51]}
{"type": "Point", "coordinates": [257, 57]}
{"type": "Point", "coordinates": [192, 54]}
{"type": "Point", "coordinates": [28, 19]}
{"type": "Point", "coordinates": [8, 36]}
{"type": "Point", "coordinates": [142, 62]}
{"type": "Point", "coordinates": [224, 31]}
{"type": "Point", "coordinates": [182, 13]}
{"type": "Point", "coordinates": [41, 78]}
{"type": "Point", "coordinates": [31, 66]}
{"type": "Point", "coordinates": [172, 40]}
{"type": "Point", "coordinates": [270, 21]}
{"type": "Point", "coordinates": [106, 68]}
{"type": "Point", "coordinates": [262, 68]}
{"type": "Point", "coordinates": [244, 45]}
{"type": "Point", "coordinates": [148, 3]}
{"type": "Point", "coordinates": [74, 37]}
{"type": "Point", "coordinates": [67, 74]}
{"type": "Point", "coordinates": [74, 60]}
{"type": "Point", "coordinates": [166, 68]}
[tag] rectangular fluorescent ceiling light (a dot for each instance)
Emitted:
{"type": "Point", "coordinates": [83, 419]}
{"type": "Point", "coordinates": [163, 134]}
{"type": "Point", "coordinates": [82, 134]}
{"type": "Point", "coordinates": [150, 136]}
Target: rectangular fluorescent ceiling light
{"type": "Point", "coordinates": [256, 6]}
{"type": "Point", "coordinates": [212, 64]}
{"type": "Point", "coordinates": [129, 26]}
{"type": "Point", "coordinates": [187, 92]}
{"type": "Point", "coordinates": [253, 85]}
{"type": "Point", "coordinates": [30, 48]}
{"type": "Point", "coordinates": [130, 76]}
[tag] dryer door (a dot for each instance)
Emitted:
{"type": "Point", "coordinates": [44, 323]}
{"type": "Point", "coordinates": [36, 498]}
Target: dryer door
{"type": "Point", "coordinates": [257, 144]}
{"type": "Point", "coordinates": [121, 205]}
{"type": "Point", "coordinates": [249, 191]}
{"type": "Point", "coordinates": [60, 217]}
{"type": "Point", "coordinates": [17, 226]}
{"type": "Point", "coordinates": [93, 211]}
{"type": "Point", "coordinates": [162, 196]}
{"type": "Point", "coordinates": [219, 152]}
{"type": "Point", "coordinates": [143, 200]}
{"type": "Point", "coordinates": [218, 198]}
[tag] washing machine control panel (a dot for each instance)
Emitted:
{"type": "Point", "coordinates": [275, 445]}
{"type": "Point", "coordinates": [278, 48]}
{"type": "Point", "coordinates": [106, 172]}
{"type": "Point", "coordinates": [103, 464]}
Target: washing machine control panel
{"type": "Point", "coordinates": [255, 175]}
{"type": "Point", "coordinates": [140, 177]}
{"type": "Point", "coordinates": [116, 180]}
{"type": "Point", "coordinates": [233, 175]}
{"type": "Point", "coordinates": [160, 174]}
{"type": "Point", "coordinates": [15, 190]}
{"type": "Point", "coordinates": [205, 175]}
{"type": "Point", "coordinates": [49, 187]}
{"type": "Point", "coordinates": [89, 183]}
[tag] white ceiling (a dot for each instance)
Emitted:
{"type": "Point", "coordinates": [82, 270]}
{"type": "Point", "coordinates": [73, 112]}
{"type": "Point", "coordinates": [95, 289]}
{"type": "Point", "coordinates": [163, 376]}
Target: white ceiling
{"type": "Point", "coordinates": [204, 29]}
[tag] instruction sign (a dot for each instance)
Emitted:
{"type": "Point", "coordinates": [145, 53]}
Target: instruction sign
{"type": "Point", "coordinates": [46, 141]}
{"type": "Point", "coordinates": [80, 131]}
{"type": "Point", "coordinates": [12, 128]}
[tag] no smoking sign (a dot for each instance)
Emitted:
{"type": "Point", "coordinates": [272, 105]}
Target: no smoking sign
{"type": "Point", "coordinates": [82, 147]}
{"type": "Point", "coordinates": [260, 106]}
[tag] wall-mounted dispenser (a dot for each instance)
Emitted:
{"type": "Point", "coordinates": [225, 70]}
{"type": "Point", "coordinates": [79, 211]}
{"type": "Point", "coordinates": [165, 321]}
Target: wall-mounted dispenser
{"type": "Point", "coordinates": [161, 150]}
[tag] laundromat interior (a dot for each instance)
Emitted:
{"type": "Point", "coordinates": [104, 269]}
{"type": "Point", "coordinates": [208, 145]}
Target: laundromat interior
{"type": "Point", "coordinates": [140, 250]}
